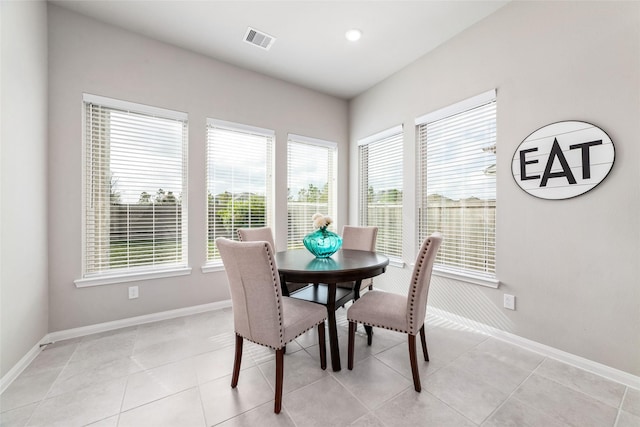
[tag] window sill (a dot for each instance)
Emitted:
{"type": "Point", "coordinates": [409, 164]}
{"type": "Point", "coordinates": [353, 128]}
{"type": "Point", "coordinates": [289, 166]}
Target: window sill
{"type": "Point", "coordinates": [489, 282]}
{"type": "Point", "coordinates": [396, 262]}
{"type": "Point", "coordinates": [110, 279]}
{"type": "Point", "coordinates": [213, 267]}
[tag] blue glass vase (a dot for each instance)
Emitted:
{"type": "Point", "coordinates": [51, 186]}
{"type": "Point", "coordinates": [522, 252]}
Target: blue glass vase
{"type": "Point", "coordinates": [322, 243]}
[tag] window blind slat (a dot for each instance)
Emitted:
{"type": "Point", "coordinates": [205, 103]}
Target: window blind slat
{"type": "Point", "coordinates": [135, 186]}
{"type": "Point", "coordinates": [457, 189]}
{"type": "Point", "coordinates": [381, 189]}
{"type": "Point", "coordinates": [311, 183]}
{"type": "Point", "coordinates": [239, 180]}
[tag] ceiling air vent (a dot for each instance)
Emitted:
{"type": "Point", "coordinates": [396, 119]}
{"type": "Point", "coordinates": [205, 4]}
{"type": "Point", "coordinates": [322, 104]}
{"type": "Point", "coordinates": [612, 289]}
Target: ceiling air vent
{"type": "Point", "coordinates": [258, 38]}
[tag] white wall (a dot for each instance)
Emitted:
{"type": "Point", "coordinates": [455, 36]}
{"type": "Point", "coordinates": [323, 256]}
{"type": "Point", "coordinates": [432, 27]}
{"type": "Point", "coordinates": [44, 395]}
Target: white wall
{"type": "Point", "coordinates": [573, 265]}
{"type": "Point", "coordinates": [87, 56]}
{"type": "Point", "coordinates": [23, 173]}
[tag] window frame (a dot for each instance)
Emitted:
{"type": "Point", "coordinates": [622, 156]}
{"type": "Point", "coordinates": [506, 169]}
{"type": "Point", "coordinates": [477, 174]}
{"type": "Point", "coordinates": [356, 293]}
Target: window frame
{"type": "Point", "coordinates": [487, 279]}
{"type": "Point", "coordinates": [391, 137]}
{"type": "Point", "coordinates": [216, 264]}
{"type": "Point", "coordinates": [144, 272]}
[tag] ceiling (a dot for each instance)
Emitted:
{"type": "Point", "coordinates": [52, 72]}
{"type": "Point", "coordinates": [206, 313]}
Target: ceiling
{"type": "Point", "coordinates": [310, 47]}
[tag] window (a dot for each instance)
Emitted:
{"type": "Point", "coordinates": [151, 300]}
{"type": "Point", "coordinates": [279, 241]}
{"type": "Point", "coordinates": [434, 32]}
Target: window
{"type": "Point", "coordinates": [239, 180]}
{"type": "Point", "coordinates": [135, 188]}
{"type": "Point", "coordinates": [381, 188]}
{"type": "Point", "coordinates": [457, 187]}
{"type": "Point", "coordinates": [311, 171]}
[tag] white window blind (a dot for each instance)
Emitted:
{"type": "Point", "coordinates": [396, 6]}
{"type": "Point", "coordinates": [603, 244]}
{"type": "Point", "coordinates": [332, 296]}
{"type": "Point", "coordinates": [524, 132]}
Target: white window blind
{"type": "Point", "coordinates": [239, 180]}
{"type": "Point", "coordinates": [381, 188]}
{"type": "Point", "coordinates": [311, 182]}
{"type": "Point", "coordinates": [135, 210]}
{"type": "Point", "coordinates": [457, 185]}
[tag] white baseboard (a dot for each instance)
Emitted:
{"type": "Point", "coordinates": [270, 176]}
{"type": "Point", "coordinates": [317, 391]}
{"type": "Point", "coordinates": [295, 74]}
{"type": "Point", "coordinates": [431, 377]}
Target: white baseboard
{"type": "Point", "coordinates": [605, 371]}
{"type": "Point", "coordinates": [133, 321]}
{"type": "Point", "coordinates": [17, 369]}
{"type": "Point", "coordinates": [51, 337]}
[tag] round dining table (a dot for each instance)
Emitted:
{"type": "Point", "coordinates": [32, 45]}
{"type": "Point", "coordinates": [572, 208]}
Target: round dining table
{"type": "Point", "coordinates": [323, 275]}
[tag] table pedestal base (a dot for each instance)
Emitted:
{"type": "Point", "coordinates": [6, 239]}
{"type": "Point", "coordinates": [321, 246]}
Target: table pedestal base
{"type": "Point", "coordinates": [332, 297]}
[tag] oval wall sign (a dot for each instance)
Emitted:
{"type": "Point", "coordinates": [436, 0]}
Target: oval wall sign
{"type": "Point", "coordinates": [563, 160]}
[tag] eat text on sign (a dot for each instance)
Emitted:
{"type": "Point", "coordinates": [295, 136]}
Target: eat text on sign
{"type": "Point", "coordinates": [563, 160]}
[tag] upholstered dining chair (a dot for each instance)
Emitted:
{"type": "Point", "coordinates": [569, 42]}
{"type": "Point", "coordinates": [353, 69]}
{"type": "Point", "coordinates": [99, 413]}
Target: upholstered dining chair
{"type": "Point", "coordinates": [399, 313]}
{"type": "Point", "coordinates": [265, 234]}
{"type": "Point", "coordinates": [257, 234]}
{"type": "Point", "coordinates": [260, 313]}
{"type": "Point", "coordinates": [362, 239]}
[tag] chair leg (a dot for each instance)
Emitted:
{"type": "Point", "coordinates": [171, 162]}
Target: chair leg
{"type": "Point", "coordinates": [369, 330]}
{"type": "Point", "coordinates": [424, 344]}
{"type": "Point", "coordinates": [279, 376]}
{"type": "Point", "coordinates": [322, 344]}
{"type": "Point", "coordinates": [356, 289]}
{"type": "Point", "coordinates": [352, 336]}
{"type": "Point", "coordinates": [237, 361]}
{"type": "Point", "coordinates": [414, 362]}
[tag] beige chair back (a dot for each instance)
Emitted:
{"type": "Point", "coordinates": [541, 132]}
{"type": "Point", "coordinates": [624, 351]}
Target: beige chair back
{"type": "Point", "coordinates": [359, 238]}
{"type": "Point", "coordinates": [262, 234]}
{"type": "Point", "coordinates": [255, 290]}
{"type": "Point", "coordinates": [419, 287]}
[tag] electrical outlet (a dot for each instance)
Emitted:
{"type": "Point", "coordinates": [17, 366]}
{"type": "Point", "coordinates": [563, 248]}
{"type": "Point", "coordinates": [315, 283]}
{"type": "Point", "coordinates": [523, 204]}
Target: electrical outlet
{"type": "Point", "coordinates": [509, 302]}
{"type": "Point", "coordinates": [133, 292]}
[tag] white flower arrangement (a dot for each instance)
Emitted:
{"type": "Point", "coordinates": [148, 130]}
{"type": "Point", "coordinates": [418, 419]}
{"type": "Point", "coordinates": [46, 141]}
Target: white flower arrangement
{"type": "Point", "coordinates": [321, 221]}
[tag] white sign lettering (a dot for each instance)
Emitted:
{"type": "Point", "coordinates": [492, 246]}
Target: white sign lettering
{"type": "Point", "coordinates": [563, 160]}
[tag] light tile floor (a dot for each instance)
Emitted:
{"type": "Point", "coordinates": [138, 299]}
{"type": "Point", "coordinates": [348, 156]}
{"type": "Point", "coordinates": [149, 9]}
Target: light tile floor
{"type": "Point", "coordinates": [177, 373]}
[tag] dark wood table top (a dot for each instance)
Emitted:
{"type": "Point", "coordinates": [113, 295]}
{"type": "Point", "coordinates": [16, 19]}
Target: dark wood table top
{"type": "Point", "coordinates": [344, 266]}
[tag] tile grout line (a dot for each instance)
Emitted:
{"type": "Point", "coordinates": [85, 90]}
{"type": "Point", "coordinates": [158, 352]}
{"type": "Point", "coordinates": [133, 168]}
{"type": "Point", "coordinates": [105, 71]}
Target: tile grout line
{"type": "Point", "coordinates": [432, 373]}
{"type": "Point", "coordinates": [44, 397]}
{"type": "Point", "coordinates": [624, 396]}
{"type": "Point", "coordinates": [514, 392]}
{"type": "Point", "coordinates": [204, 413]}
{"type": "Point", "coordinates": [41, 401]}
{"type": "Point", "coordinates": [126, 385]}
{"type": "Point", "coordinates": [451, 362]}
{"type": "Point", "coordinates": [443, 367]}
{"type": "Point", "coordinates": [580, 391]}
{"type": "Point", "coordinates": [370, 411]}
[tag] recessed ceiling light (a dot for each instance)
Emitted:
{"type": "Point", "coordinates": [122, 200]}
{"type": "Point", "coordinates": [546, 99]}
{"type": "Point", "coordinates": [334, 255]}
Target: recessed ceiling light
{"type": "Point", "coordinates": [353, 35]}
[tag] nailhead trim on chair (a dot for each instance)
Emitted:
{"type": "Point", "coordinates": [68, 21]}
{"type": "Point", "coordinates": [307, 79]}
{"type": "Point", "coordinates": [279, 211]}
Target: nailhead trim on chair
{"type": "Point", "coordinates": [379, 326]}
{"type": "Point", "coordinates": [284, 343]}
{"type": "Point", "coordinates": [415, 280]}
{"type": "Point", "coordinates": [275, 277]}
{"type": "Point", "coordinates": [413, 296]}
